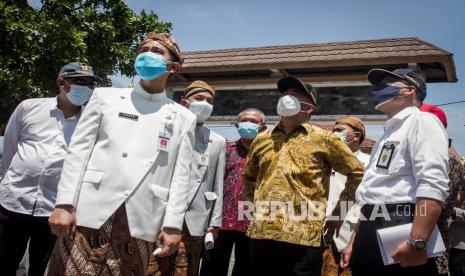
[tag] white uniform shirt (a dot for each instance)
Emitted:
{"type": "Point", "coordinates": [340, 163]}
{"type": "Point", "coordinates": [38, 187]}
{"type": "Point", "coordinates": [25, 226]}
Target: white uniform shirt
{"type": "Point", "coordinates": [36, 141]}
{"type": "Point", "coordinates": [119, 145]}
{"type": "Point", "coordinates": [418, 166]}
{"type": "Point", "coordinates": [151, 177]}
{"type": "Point", "coordinates": [337, 182]}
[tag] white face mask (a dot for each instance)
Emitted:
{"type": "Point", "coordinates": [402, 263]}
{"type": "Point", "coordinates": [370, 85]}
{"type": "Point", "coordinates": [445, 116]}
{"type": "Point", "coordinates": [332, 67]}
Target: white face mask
{"type": "Point", "coordinates": [202, 110]}
{"type": "Point", "coordinates": [288, 106]}
{"type": "Point", "coordinates": [342, 135]}
{"type": "Point", "coordinates": [79, 94]}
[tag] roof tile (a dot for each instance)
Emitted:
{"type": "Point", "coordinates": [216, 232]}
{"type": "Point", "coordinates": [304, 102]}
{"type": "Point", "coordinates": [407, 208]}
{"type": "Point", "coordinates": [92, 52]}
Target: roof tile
{"type": "Point", "coordinates": [336, 51]}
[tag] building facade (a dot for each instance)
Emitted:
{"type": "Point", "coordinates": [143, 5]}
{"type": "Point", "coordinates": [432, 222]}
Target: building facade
{"type": "Point", "coordinates": [246, 77]}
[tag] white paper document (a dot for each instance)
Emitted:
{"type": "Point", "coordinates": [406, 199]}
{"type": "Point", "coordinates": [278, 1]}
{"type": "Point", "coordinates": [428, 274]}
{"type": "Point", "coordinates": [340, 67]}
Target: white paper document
{"type": "Point", "coordinates": [209, 241]}
{"type": "Point", "coordinates": [390, 238]}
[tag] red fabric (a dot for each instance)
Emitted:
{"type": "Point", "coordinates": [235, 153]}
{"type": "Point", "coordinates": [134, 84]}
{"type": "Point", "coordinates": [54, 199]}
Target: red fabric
{"type": "Point", "coordinates": [233, 191]}
{"type": "Point", "coordinates": [438, 112]}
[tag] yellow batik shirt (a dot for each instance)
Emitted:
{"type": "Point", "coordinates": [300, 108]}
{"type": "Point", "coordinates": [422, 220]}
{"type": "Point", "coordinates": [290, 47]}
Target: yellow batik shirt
{"type": "Point", "coordinates": [287, 179]}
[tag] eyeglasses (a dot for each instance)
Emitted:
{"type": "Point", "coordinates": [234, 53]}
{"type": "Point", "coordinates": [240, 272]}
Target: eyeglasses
{"type": "Point", "coordinates": [81, 81]}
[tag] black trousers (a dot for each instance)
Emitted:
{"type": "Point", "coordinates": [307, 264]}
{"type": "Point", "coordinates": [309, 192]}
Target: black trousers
{"type": "Point", "coordinates": [366, 257]}
{"type": "Point", "coordinates": [15, 231]}
{"type": "Point", "coordinates": [269, 257]}
{"type": "Point", "coordinates": [457, 262]}
{"type": "Point", "coordinates": [218, 262]}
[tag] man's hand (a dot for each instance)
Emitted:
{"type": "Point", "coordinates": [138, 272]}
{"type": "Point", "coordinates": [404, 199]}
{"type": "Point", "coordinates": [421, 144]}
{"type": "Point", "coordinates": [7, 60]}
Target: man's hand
{"type": "Point", "coordinates": [214, 230]}
{"type": "Point", "coordinates": [169, 238]}
{"type": "Point", "coordinates": [345, 256]}
{"type": "Point", "coordinates": [62, 221]}
{"type": "Point", "coordinates": [422, 226]}
{"type": "Point", "coordinates": [407, 255]}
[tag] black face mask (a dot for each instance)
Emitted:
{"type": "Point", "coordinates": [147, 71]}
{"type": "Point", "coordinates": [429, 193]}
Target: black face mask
{"type": "Point", "coordinates": [383, 93]}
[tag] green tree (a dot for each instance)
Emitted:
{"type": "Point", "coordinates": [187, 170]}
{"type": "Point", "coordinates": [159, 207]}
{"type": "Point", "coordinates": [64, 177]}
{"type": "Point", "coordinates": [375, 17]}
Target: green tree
{"type": "Point", "coordinates": [35, 42]}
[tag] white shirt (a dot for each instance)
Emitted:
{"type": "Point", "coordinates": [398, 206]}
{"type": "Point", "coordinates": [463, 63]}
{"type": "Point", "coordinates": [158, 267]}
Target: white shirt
{"type": "Point", "coordinates": [117, 148]}
{"type": "Point", "coordinates": [150, 97]}
{"type": "Point", "coordinates": [337, 182]}
{"type": "Point", "coordinates": [418, 167]}
{"type": "Point", "coordinates": [35, 143]}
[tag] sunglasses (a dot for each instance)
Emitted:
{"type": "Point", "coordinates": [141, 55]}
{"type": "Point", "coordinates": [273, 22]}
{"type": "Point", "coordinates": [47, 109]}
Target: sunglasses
{"type": "Point", "coordinates": [81, 81]}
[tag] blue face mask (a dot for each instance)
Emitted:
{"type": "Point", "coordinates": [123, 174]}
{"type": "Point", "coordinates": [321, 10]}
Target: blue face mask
{"type": "Point", "coordinates": [384, 93]}
{"type": "Point", "coordinates": [248, 130]}
{"type": "Point", "coordinates": [150, 66]}
{"type": "Point", "coordinates": [79, 94]}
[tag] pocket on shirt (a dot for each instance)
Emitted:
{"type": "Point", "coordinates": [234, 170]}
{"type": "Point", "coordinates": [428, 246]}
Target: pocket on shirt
{"type": "Point", "coordinates": [395, 167]}
{"type": "Point", "coordinates": [210, 196]}
{"type": "Point", "coordinates": [398, 164]}
{"type": "Point", "coordinates": [304, 157]}
{"type": "Point", "coordinates": [160, 192]}
{"type": "Point", "coordinates": [93, 176]}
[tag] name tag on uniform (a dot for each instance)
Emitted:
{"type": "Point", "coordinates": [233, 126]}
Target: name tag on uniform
{"type": "Point", "coordinates": [385, 157]}
{"type": "Point", "coordinates": [128, 116]}
{"type": "Point", "coordinates": [163, 143]}
{"type": "Point", "coordinates": [203, 160]}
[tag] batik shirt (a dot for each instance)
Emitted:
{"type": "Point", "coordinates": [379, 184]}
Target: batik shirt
{"type": "Point", "coordinates": [290, 173]}
{"type": "Point", "coordinates": [233, 190]}
{"type": "Point", "coordinates": [456, 183]}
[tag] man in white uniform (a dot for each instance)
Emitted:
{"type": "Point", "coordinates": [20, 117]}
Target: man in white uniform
{"type": "Point", "coordinates": [125, 180]}
{"type": "Point", "coordinates": [406, 180]}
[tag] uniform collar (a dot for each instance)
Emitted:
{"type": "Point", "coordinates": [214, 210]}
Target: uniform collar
{"type": "Point", "coordinates": [54, 107]}
{"type": "Point", "coordinates": [402, 115]}
{"type": "Point", "coordinates": [54, 104]}
{"type": "Point", "coordinates": [200, 128]}
{"type": "Point", "coordinates": [303, 126]}
{"type": "Point", "coordinates": [148, 96]}
{"type": "Point", "coordinates": [359, 153]}
{"type": "Point", "coordinates": [237, 143]}
{"type": "Point", "coordinates": [203, 133]}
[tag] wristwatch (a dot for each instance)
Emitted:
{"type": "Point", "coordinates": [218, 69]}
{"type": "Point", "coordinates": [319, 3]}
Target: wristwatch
{"type": "Point", "coordinates": [419, 245]}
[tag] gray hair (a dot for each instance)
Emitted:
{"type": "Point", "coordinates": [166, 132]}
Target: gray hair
{"type": "Point", "coordinates": [251, 109]}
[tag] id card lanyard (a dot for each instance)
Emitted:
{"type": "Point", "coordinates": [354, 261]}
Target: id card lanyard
{"type": "Point", "coordinates": [203, 161]}
{"type": "Point", "coordinates": [166, 132]}
{"type": "Point", "coordinates": [385, 158]}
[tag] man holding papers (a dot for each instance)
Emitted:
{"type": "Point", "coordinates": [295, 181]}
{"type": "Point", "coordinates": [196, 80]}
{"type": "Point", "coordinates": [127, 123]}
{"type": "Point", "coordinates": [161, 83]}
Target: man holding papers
{"type": "Point", "coordinates": [405, 182]}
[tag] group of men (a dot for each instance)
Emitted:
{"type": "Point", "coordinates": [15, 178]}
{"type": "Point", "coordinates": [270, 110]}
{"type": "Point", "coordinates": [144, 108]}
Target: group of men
{"type": "Point", "coordinates": [125, 181]}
